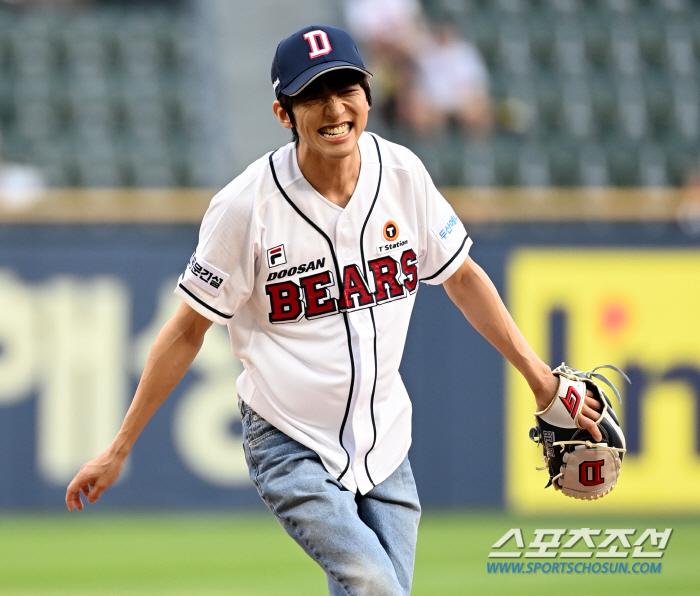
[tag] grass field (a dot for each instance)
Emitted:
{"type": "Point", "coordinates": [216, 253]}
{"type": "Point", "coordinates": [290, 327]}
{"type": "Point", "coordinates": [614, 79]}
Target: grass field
{"type": "Point", "coordinates": [250, 555]}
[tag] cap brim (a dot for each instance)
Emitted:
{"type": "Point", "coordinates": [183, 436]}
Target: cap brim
{"type": "Point", "coordinates": [311, 74]}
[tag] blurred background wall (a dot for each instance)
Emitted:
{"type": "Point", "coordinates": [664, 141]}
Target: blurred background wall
{"type": "Point", "coordinates": [557, 128]}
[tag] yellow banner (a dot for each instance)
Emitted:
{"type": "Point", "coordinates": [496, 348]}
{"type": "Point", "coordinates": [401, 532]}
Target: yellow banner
{"type": "Point", "coordinates": [638, 310]}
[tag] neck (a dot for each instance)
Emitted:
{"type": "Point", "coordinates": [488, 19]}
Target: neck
{"type": "Point", "coordinates": [333, 179]}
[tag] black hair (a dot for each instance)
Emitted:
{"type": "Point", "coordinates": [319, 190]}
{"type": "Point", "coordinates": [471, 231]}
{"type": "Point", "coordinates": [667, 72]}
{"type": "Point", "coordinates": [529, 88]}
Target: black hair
{"type": "Point", "coordinates": [334, 81]}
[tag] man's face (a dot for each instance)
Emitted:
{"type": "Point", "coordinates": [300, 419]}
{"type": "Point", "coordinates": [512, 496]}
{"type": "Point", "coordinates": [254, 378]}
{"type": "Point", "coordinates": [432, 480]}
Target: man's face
{"type": "Point", "coordinates": [329, 122]}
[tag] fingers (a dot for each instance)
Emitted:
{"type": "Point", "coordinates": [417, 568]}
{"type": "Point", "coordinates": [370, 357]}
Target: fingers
{"type": "Point", "coordinates": [83, 482]}
{"type": "Point", "coordinates": [73, 500]}
{"type": "Point", "coordinates": [592, 402]}
{"type": "Point", "coordinates": [588, 424]}
{"type": "Point", "coordinates": [95, 491]}
{"type": "Point", "coordinates": [590, 412]}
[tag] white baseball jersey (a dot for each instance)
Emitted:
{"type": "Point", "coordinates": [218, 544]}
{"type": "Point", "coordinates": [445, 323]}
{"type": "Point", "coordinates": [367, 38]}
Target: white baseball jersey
{"type": "Point", "coordinates": [317, 298]}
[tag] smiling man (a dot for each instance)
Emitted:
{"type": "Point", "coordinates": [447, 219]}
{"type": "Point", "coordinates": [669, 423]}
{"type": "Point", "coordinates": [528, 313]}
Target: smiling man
{"type": "Point", "coordinates": [312, 257]}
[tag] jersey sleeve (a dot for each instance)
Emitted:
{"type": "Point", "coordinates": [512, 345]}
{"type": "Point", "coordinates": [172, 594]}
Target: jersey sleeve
{"type": "Point", "coordinates": [447, 243]}
{"type": "Point", "coordinates": [220, 275]}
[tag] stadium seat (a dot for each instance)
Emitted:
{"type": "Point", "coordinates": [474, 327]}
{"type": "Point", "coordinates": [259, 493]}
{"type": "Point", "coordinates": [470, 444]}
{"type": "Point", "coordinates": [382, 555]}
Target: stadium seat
{"type": "Point", "coordinates": [679, 45]}
{"type": "Point", "coordinates": [597, 37]}
{"type": "Point", "coordinates": [652, 165]}
{"type": "Point", "coordinates": [506, 157]}
{"type": "Point", "coordinates": [523, 92]}
{"type": "Point", "coordinates": [98, 165]}
{"type": "Point", "coordinates": [686, 108]}
{"type": "Point", "coordinates": [593, 166]}
{"type": "Point", "coordinates": [659, 97]}
{"type": "Point", "coordinates": [549, 98]}
{"type": "Point", "coordinates": [577, 108]}
{"type": "Point", "coordinates": [150, 165]}
{"type": "Point", "coordinates": [31, 53]}
{"type": "Point", "coordinates": [632, 109]}
{"type": "Point", "coordinates": [604, 99]}
{"type": "Point", "coordinates": [34, 119]}
{"type": "Point", "coordinates": [479, 164]}
{"type": "Point", "coordinates": [682, 157]}
{"type": "Point", "coordinates": [533, 166]}
{"type": "Point", "coordinates": [625, 48]}
{"type": "Point", "coordinates": [485, 34]}
{"type": "Point", "coordinates": [652, 38]}
{"type": "Point", "coordinates": [542, 37]}
{"type": "Point", "coordinates": [570, 47]}
{"type": "Point", "coordinates": [514, 45]}
{"type": "Point", "coordinates": [563, 155]}
{"type": "Point", "coordinates": [94, 120]}
{"type": "Point", "coordinates": [623, 160]}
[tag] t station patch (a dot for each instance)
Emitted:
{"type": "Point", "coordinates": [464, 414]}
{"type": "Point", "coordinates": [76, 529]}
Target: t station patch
{"type": "Point", "coordinates": [390, 231]}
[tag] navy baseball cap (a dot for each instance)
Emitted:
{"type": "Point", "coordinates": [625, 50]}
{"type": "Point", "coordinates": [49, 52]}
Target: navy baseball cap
{"type": "Point", "coordinates": [310, 52]}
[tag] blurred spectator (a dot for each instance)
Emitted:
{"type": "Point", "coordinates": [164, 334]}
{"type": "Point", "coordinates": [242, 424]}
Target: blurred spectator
{"type": "Point", "coordinates": [389, 31]}
{"type": "Point", "coordinates": [391, 22]}
{"type": "Point", "coordinates": [19, 184]}
{"type": "Point", "coordinates": [422, 78]}
{"type": "Point", "coordinates": [451, 82]}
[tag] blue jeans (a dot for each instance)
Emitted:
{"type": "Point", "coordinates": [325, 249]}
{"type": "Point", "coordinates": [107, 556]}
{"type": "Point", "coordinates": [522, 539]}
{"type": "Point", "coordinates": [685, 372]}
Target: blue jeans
{"type": "Point", "coordinates": [366, 544]}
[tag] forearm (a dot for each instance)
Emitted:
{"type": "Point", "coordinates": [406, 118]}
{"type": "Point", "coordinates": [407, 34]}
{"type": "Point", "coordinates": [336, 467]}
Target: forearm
{"type": "Point", "coordinates": [476, 296]}
{"type": "Point", "coordinates": [173, 351]}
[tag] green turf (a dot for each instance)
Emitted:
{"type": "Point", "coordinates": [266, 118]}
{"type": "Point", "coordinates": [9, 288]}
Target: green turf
{"type": "Point", "coordinates": [251, 555]}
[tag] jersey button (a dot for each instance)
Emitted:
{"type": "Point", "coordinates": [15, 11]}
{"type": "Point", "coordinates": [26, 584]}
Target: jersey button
{"type": "Point", "coordinates": [346, 253]}
{"type": "Point", "coordinates": [344, 224]}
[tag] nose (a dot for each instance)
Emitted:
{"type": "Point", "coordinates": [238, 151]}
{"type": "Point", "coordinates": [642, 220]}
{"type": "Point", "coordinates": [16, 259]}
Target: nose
{"type": "Point", "coordinates": [334, 106]}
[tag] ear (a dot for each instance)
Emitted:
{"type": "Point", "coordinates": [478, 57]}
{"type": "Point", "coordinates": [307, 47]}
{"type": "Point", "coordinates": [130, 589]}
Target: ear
{"type": "Point", "coordinates": [282, 115]}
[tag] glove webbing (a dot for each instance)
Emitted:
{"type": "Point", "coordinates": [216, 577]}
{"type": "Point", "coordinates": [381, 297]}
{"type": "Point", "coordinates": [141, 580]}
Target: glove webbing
{"type": "Point", "coordinates": [594, 375]}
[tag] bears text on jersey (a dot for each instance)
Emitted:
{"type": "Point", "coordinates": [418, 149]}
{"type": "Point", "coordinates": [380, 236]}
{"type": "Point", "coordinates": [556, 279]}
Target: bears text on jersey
{"type": "Point", "coordinates": [311, 297]}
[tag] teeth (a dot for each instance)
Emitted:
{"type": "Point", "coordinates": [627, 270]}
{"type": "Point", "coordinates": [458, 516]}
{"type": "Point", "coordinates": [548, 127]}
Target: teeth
{"type": "Point", "coordinates": [335, 131]}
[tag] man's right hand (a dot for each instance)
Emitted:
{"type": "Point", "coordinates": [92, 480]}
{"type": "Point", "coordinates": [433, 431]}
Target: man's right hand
{"type": "Point", "coordinates": [93, 478]}
{"type": "Point", "coordinates": [172, 353]}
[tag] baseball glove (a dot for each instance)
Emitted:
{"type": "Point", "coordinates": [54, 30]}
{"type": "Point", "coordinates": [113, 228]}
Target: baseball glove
{"type": "Point", "coordinates": [578, 466]}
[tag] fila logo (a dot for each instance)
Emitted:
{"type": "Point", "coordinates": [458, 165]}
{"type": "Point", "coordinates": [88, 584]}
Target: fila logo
{"type": "Point", "coordinates": [589, 473]}
{"type": "Point", "coordinates": [276, 256]}
{"type": "Point", "coordinates": [314, 37]}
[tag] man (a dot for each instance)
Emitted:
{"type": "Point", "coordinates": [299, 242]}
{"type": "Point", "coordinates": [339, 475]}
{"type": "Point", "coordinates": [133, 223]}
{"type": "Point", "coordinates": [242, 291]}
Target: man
{"type": "Point", "coordinates": [312, 258]}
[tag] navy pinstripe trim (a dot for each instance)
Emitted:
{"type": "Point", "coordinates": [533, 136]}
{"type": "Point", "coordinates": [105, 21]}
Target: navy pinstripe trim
{"type": "Point", "coordinates": [371, 314]}
{"type": "Point", "coordinates": [454, 256]}
{"type": "Point", "coordinates": [204, 304]}
{"type": "Point", "coordinates": [345, 315]}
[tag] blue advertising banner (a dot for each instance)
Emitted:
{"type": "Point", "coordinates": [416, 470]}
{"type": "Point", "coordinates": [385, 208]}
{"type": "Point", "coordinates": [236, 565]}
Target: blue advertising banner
{"type": "Point", "coordinates": [81, 305]}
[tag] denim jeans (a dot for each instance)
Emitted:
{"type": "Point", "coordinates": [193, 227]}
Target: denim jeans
{"type": "Point", "coordinates": [366, 544]}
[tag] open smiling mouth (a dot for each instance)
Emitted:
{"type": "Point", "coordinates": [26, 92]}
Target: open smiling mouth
{"type": "Point", "coordinates": [333, 132]}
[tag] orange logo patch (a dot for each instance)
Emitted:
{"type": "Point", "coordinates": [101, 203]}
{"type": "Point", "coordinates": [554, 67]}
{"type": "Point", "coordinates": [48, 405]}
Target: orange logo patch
{"type": "Point", "coordinates": [390, 231]}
